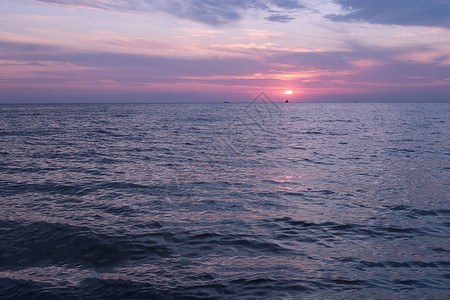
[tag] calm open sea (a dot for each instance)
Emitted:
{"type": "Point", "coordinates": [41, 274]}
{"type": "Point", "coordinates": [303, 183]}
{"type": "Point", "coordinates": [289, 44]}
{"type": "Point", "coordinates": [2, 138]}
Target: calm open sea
{"type": "Point", "coordinates": [261, 200]}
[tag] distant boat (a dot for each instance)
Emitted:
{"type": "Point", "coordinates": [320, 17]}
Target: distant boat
{"type": "Point", "coordinates": [287, 101]}
{"type": "Point", "coordinates": [226, 101]}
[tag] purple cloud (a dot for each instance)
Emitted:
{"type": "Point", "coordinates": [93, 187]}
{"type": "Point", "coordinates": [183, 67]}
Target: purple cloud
{"type": "Point", "coordinates": [396, 12]}
{"type": "Point", "coordinates": [211, 12]}
{"type": "Point", "coordinates": [51, 67]}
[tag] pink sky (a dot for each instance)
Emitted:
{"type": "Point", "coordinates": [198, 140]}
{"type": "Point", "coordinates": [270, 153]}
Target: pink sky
{"type": "Point", "coordinates": [177, 51]}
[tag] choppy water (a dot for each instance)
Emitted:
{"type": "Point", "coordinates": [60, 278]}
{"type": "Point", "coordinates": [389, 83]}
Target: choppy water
{"type": "Point", "coordinates": [225, 201]}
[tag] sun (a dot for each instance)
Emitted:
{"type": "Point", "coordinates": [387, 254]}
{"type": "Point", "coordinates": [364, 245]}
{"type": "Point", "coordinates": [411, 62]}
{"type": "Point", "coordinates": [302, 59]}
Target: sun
{"type": "Point", "coordinates": [288, 92]}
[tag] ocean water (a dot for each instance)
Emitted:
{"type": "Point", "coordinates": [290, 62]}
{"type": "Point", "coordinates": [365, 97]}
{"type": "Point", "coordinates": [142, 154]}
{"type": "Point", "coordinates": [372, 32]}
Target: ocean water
{"type": "Point", "coordinates": [204, 201]}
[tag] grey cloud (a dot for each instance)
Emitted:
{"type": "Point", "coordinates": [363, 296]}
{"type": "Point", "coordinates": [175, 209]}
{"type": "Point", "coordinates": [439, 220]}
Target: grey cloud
{"type": "Point", "coordinates": [396, 12]}
{"type": "Point", "coordinates": [212, 12]}
{"type": "Point", "coordinates": [287, 4]}
{"type": "Point", "coordinates": [279, 18]}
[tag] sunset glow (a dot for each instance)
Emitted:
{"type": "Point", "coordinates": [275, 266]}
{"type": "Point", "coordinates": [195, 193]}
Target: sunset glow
{"type": "Point", "coordinates": [288, 92]}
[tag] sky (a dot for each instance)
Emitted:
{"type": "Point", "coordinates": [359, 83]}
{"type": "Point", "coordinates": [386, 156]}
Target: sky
{"type": "Point", "coordinates": [224, 50]}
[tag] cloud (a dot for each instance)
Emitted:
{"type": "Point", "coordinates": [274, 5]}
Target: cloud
{"type": "Point", "coordinates": [288, 4]}
{"type": "Point", "coordinates": [211, 12]}
{"type": "Point", "coordinates": [63, 71]}
{"type": "Point", "coordinates": [395, 12]}
{"type": "Point", "coordinates": [137, 66]}
{"type": "Point", "coordinates": [279, 18]}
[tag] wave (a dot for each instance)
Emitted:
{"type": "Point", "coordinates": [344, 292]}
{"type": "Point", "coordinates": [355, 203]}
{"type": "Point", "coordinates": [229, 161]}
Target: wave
{"type": "Point", "coordinates": [42, 244]}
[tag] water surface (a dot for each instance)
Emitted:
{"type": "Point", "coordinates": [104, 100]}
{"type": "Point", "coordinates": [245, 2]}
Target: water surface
{"type": "Point", "coordinates": [224, 201]}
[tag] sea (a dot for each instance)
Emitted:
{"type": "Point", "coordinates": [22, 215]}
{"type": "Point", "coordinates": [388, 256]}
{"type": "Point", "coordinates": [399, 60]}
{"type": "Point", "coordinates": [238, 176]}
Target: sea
{"type": "Point", "coordinates": [256, 200]}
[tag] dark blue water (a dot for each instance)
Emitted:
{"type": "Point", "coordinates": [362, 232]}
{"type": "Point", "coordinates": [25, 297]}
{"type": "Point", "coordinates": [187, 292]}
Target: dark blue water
{"type": "Point", "coordinates": [318, 201]}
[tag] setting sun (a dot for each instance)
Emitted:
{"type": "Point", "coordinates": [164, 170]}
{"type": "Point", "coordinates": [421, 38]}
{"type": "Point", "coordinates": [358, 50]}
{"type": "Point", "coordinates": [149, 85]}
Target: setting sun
{"type": "Point", "coordinates": [288, 92]}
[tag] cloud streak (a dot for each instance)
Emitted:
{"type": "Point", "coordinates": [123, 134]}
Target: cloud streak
{"type": "Point", "coordinates": [211, 12]}
{"type": "Point", "coordinates": [37, 68]}
{"type": "Point", "coordinates": [279, 18]}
